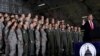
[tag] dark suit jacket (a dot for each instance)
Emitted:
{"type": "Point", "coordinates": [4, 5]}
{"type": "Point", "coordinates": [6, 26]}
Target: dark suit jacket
{"type": "Point", "coordinates": [88, 31]}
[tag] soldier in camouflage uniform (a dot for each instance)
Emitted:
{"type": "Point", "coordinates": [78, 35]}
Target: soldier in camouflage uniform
{"type": "Point", "coordinates": [80, 35]}
{"type": "Point", "coordinates": [25, 38]}
{"type": "Point", "coordinates": [75, 35]}
{"type": "Point", "coordinates": [6, 32]}
{"type": "Point", "coordinates": [37, 36]}
{"type": "Point", "coordinates": [57, 39]}
{"type": "Point", "coordinates": [69, 41]}
{"type": "Point", "coordinates": [32, 39]}
{"type": "Point", "coordinates": [43, 40]}
{"type": "Point", "coordinates": [20, 39]}
{"type": "Point", "coordinates": [12, 39]}
{"type": "Point", "coordinates": [1, 32]}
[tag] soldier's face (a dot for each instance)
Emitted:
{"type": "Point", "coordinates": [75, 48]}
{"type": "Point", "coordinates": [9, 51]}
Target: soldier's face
{"type": "Point", "coordinates": [47, 20]}
{"type": "Point", "coordinates": [79, 28]}
{"type": "Point", "coordinates": [0, 14]}
{"type": "Point", "coordinates": [35, 19]}
{"type": "Point", "coordinates": [13, 20]}
{"type": "Point", "coordinates": [27, 18]}
{"type": "Point", "coordinates": [26, 23]}
{"type": "Point", "coordinates": [67, 25]}
{"type": "Point", "coordinates": [2, 19]}
{"type": "Point", "coordinates": [38, 27]}
{"type": "Point", "coordinates": [43, 26]}
{"type": "Point", "coordinates": [15, 24]}
{"type": "Point", "coordinates": [63, 26]}
{"type": "Point", "coordinates": [21, 23]}
{"type": "Point", "coordinates": [75, 28]}
{"type": "Point", "coordinates": [9, 23]}
{"type": "Point", "coordinates": [40, 22]}
{"type": "Point", "coordinates": [62, 21]}
{"type": "Point", "coordinates": [31, 25]}
{"type": "Point", "coordinates": [53, 21]}
{"type": "Point", "coordinates": [58, 22]}
{"type": "Point", "coordinates": [23, 16]}
{"type": "Point", "coordinates": [42, 17]}
{"type": "Point", "coordinates": [36, 16]}
{"type": "Point", "coordinates": [50, 26]}
{"type": "Point", "coordinates": [12, 16]}
{"type": "Point", "coordinates": [16, 16]}
{"type": "Point", "coordinates": [56, 25]}
{"type": "Point", "coordinates": [29, 15]}
{"type": "Point", "coordinates": [7, 19]}
{"type": "Point", "coordinates": [25, 26]}
{"type": "Point", "coordinates": [69, 28]}
{"type": "Point", "coordinates": [46, 26]}
{"type": "Point", "coordinates": [34, 24]}
{"type": "Point", "coordinates": [6, 15]}
{"type": "Point", "coordinates": [72, 27]}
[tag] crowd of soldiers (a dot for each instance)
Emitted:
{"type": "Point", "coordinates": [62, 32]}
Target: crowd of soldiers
{"type": "Point", "coordinates": [22, 35]}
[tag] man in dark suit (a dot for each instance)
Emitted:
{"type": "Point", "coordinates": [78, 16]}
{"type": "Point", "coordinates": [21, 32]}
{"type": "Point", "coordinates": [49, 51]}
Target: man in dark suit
{"type": "Point", "coordinates": [88, 27]}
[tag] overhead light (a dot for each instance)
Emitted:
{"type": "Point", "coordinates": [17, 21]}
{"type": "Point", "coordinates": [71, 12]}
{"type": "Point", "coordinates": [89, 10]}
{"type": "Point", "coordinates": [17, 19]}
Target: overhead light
{"type": "Point", "coordinates": [41, 4]}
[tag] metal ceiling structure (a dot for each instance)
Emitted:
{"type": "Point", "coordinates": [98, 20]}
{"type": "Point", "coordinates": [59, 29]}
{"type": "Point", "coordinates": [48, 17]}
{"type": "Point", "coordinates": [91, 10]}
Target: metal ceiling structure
{"type": "Point", "coordinates": [59, 9]}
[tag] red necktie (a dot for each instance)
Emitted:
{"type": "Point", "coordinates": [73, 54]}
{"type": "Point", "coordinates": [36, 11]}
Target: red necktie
{"type": "Point", "coordinates": [91, 25]}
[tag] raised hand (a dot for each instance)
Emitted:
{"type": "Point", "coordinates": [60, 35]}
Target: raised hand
{"type": "Point", "coordinates": [83, 21]}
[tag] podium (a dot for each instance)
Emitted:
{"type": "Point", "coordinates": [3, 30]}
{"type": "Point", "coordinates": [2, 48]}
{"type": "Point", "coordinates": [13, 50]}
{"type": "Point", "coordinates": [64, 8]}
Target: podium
{"type": "Point", "coordinates": [95, 35]}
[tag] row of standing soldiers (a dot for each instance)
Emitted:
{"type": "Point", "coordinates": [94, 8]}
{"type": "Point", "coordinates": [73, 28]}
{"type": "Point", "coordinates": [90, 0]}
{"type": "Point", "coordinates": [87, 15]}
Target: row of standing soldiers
{"type": "Point", "coordinates": [24, 36]}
